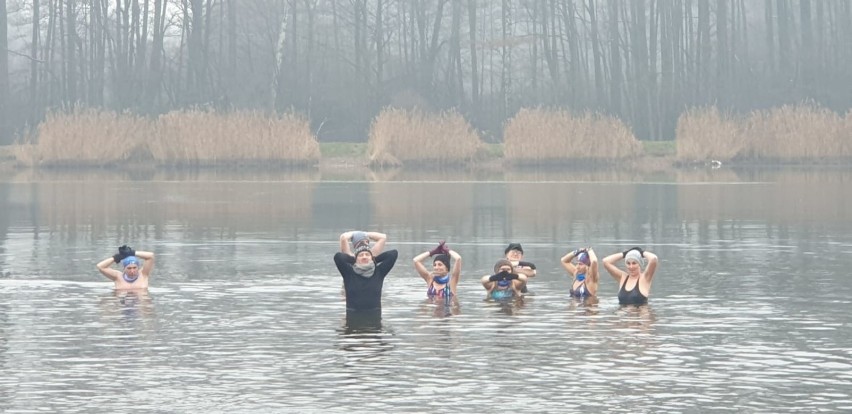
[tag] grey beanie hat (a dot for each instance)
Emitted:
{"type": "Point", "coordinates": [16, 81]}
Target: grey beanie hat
{"type": "Point", "coordinates": [635, 255]}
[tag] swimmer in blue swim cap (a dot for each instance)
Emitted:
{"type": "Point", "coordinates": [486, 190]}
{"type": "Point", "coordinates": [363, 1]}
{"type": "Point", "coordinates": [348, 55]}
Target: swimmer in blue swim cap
{"type": "Point", "coordinates": [134, 272]}
{"type": "Point", "coordinates": [635, 283]}
{"type": "Point", "coordinates": [505, 282]}
{"type": "Point", "coordinates": [443, 279]}
{"type": "Point", "coordinates": [584, 272]}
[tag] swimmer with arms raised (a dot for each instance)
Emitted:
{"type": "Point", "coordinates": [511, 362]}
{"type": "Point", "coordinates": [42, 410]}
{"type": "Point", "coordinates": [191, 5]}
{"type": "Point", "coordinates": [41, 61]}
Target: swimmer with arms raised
{"type": "Point", "coordinates": [441, 282]}
{"type": "Point", "coordinates": [363, 273]}
{"type": "Point", "coordinates": [634, 284]}
{"type": "Point", "coordinates": [134, 274]}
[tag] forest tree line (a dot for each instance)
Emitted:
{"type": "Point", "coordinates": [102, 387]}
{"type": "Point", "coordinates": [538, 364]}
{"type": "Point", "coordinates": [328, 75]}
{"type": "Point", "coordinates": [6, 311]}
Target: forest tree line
{"type": "Point", "coordinates": [340, 62]}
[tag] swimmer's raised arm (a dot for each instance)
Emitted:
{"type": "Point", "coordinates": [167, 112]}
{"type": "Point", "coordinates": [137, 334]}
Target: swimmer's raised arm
{"type": "Point", "coordinates": [148, 257]}
{"type": "Point", "coordinates": [378, 240]}
{"type": "Point", "coordinates": [652, 264]}
{"type": "Point", "coordinates": [106, 270]}
{"type": "Point", "coordinates": [609, 264]}
{"type": "Point", "coordinates": [345, 237]}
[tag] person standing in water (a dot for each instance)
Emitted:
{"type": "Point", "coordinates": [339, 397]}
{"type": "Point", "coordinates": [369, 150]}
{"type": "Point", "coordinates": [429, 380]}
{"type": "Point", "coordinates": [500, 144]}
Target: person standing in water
{"type": "Point", "coordinates": [131, 276]}
{"type": "Point", "coordinates": [505, 282]}
{"type": "Point", "coordinates": [515, 254]}
{"type": "Point", "coordinates": [584, 273]}
{"type": "Point", "coordinates": [363, 273]}
{"type": "Point", "coordinates": [635, 283]}
{"type": "Point", "coordinates": [441, 282]}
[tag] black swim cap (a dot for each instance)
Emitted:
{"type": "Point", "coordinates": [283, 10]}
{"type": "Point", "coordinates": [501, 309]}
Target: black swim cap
{"type": "Point", "coordinates": [514, 246]}
{"type": "Point", "coordinates": [443, 259]}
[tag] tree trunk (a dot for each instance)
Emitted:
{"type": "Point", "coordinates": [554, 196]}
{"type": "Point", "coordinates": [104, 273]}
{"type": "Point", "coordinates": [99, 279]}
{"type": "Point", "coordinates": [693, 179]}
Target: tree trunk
{"type": "Point", "coordinates": [505, 60]}
{"type": "Point", "coordinates": [641, 101]}
{"type": "Point", "coordinates": [70, 53]}
{"type": "Point", "coordinates": [155, 79]}
{"type": "Point", "coordinates": [474, 67]}
{"type": "Point", "coordinates": [97, 59]}
{"type": "Point", "coordinates": [596, 52]}
{"type": "Point", "coordinates": [455, 70]}
{"type": "Point", "coordinates": [36, 103]}
{"type": "Point", "coordinates": [806, 50]}
{"type": "Point", "coordinates": [704, 51]}
{"type": "Point", "coordinates": [5, 133]}
{"type": "Point", "coordinates": [722, 52]}
{"type": "Point", "coordinates": [277, 81]}
{"type": "Point", "coordinates": [616, 83]}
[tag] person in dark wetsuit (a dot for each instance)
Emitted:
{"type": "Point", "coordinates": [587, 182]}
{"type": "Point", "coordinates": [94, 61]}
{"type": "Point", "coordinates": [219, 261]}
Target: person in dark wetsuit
{"type": "Point", "coordinates": [634, 284]}
{"type": "Point", "coordinates": [441, 282]}
{"type": "Point", "coordinates": [584, 273]}
{"type": "Point", "coordinates": [363, 274]}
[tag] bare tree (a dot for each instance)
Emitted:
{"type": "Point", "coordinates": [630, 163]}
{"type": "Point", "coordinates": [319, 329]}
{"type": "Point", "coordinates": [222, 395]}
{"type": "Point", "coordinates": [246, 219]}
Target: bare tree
{"type": "Point", "coordinates": [4, 75]}
{"type": "Point", "coordinates": [36, 104]}
{"type": "Point", "coordinates": [598, 55]}
{"type": "Point", "coordinates": [474, 51]}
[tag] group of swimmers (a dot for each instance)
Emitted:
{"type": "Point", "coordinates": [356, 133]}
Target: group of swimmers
{"type": "Point", "coordinates": [363, 264]}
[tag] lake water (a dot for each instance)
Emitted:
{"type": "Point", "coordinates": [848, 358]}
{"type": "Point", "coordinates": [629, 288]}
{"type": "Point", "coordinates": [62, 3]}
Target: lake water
{"type": "Point", "coordinates": [749, 312]}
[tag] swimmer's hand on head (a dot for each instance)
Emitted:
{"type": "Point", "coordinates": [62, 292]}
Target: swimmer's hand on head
{"type": "Point", "coordinates": [441, 249]}
{"type": "Point", "coordinates": [123, 252]}
{"type": "Point", "coordinates": [638, 249]}
{"type": "Point", "coordinates": [526, 264]}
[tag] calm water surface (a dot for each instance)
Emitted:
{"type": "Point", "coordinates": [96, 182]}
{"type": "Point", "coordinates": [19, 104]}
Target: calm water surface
{"type": "Point", "coordinates": [750, 308]}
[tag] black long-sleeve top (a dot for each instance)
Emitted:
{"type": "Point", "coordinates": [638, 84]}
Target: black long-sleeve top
{"type": "Point", "coordinates": [364, 293]}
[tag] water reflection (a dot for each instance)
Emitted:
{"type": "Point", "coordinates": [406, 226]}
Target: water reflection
{"type": "Point", "coordinates": [509, 306]}
{"type": "Point", "coordinates": [441, 307]}
{"type": "Point", "coordinates": [639, 317]}
{"type": "Point", "coordinates": [134, 304]}
{"type": "Point", "coordinates": [245, 311]}
{"type": "Point", "coordinates": [587, 306]}
{"type": "Point", "coordinates": [364, 339]}
{"type": "Point", "coordinates": [358, 322]}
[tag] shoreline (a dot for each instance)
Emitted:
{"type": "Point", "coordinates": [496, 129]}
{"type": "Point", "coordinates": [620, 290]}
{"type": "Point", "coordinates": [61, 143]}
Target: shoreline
{"type": "Point", "coordinates": [347, 159]}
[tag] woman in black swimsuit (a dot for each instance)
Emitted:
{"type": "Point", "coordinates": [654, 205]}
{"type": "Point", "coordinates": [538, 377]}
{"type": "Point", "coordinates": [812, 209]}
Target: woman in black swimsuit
{"type": "Point", "coordinates": [634, 284]}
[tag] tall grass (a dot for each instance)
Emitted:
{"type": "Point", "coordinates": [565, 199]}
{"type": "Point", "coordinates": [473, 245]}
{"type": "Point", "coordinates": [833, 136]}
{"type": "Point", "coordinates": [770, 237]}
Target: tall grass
{"type": "Point", "coordinates": [705, 134]}
{"type": "Point", "coordinates": [206, 138]}
{"type": "Point", "coordinates": [791, 133]}
{"type": "Point", "coordinates": [413, 137]}
{"type": "Point", "coordinates": [91, 137]}
{"type": "Point", "coordinates": [542, 136]}
{"type": "Point", "coordinates": [84, 137]}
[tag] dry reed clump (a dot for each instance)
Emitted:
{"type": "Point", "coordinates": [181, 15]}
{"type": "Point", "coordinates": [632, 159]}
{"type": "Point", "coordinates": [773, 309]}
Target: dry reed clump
{"type": "Point", "coordinates": [195, 137]}
{"type": "Point", "coordinates": [412, 137]}
{"type": "Point", "coordinates": [704, 134]}
{"type": "Point", "coordinates": [796, 133]}
{"type": "Point", "coordinates": [791, 133]}
{"type": "Point", "coordinates": [541, 136]}
{"type": "Point", "coordinates": [85, 137]}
